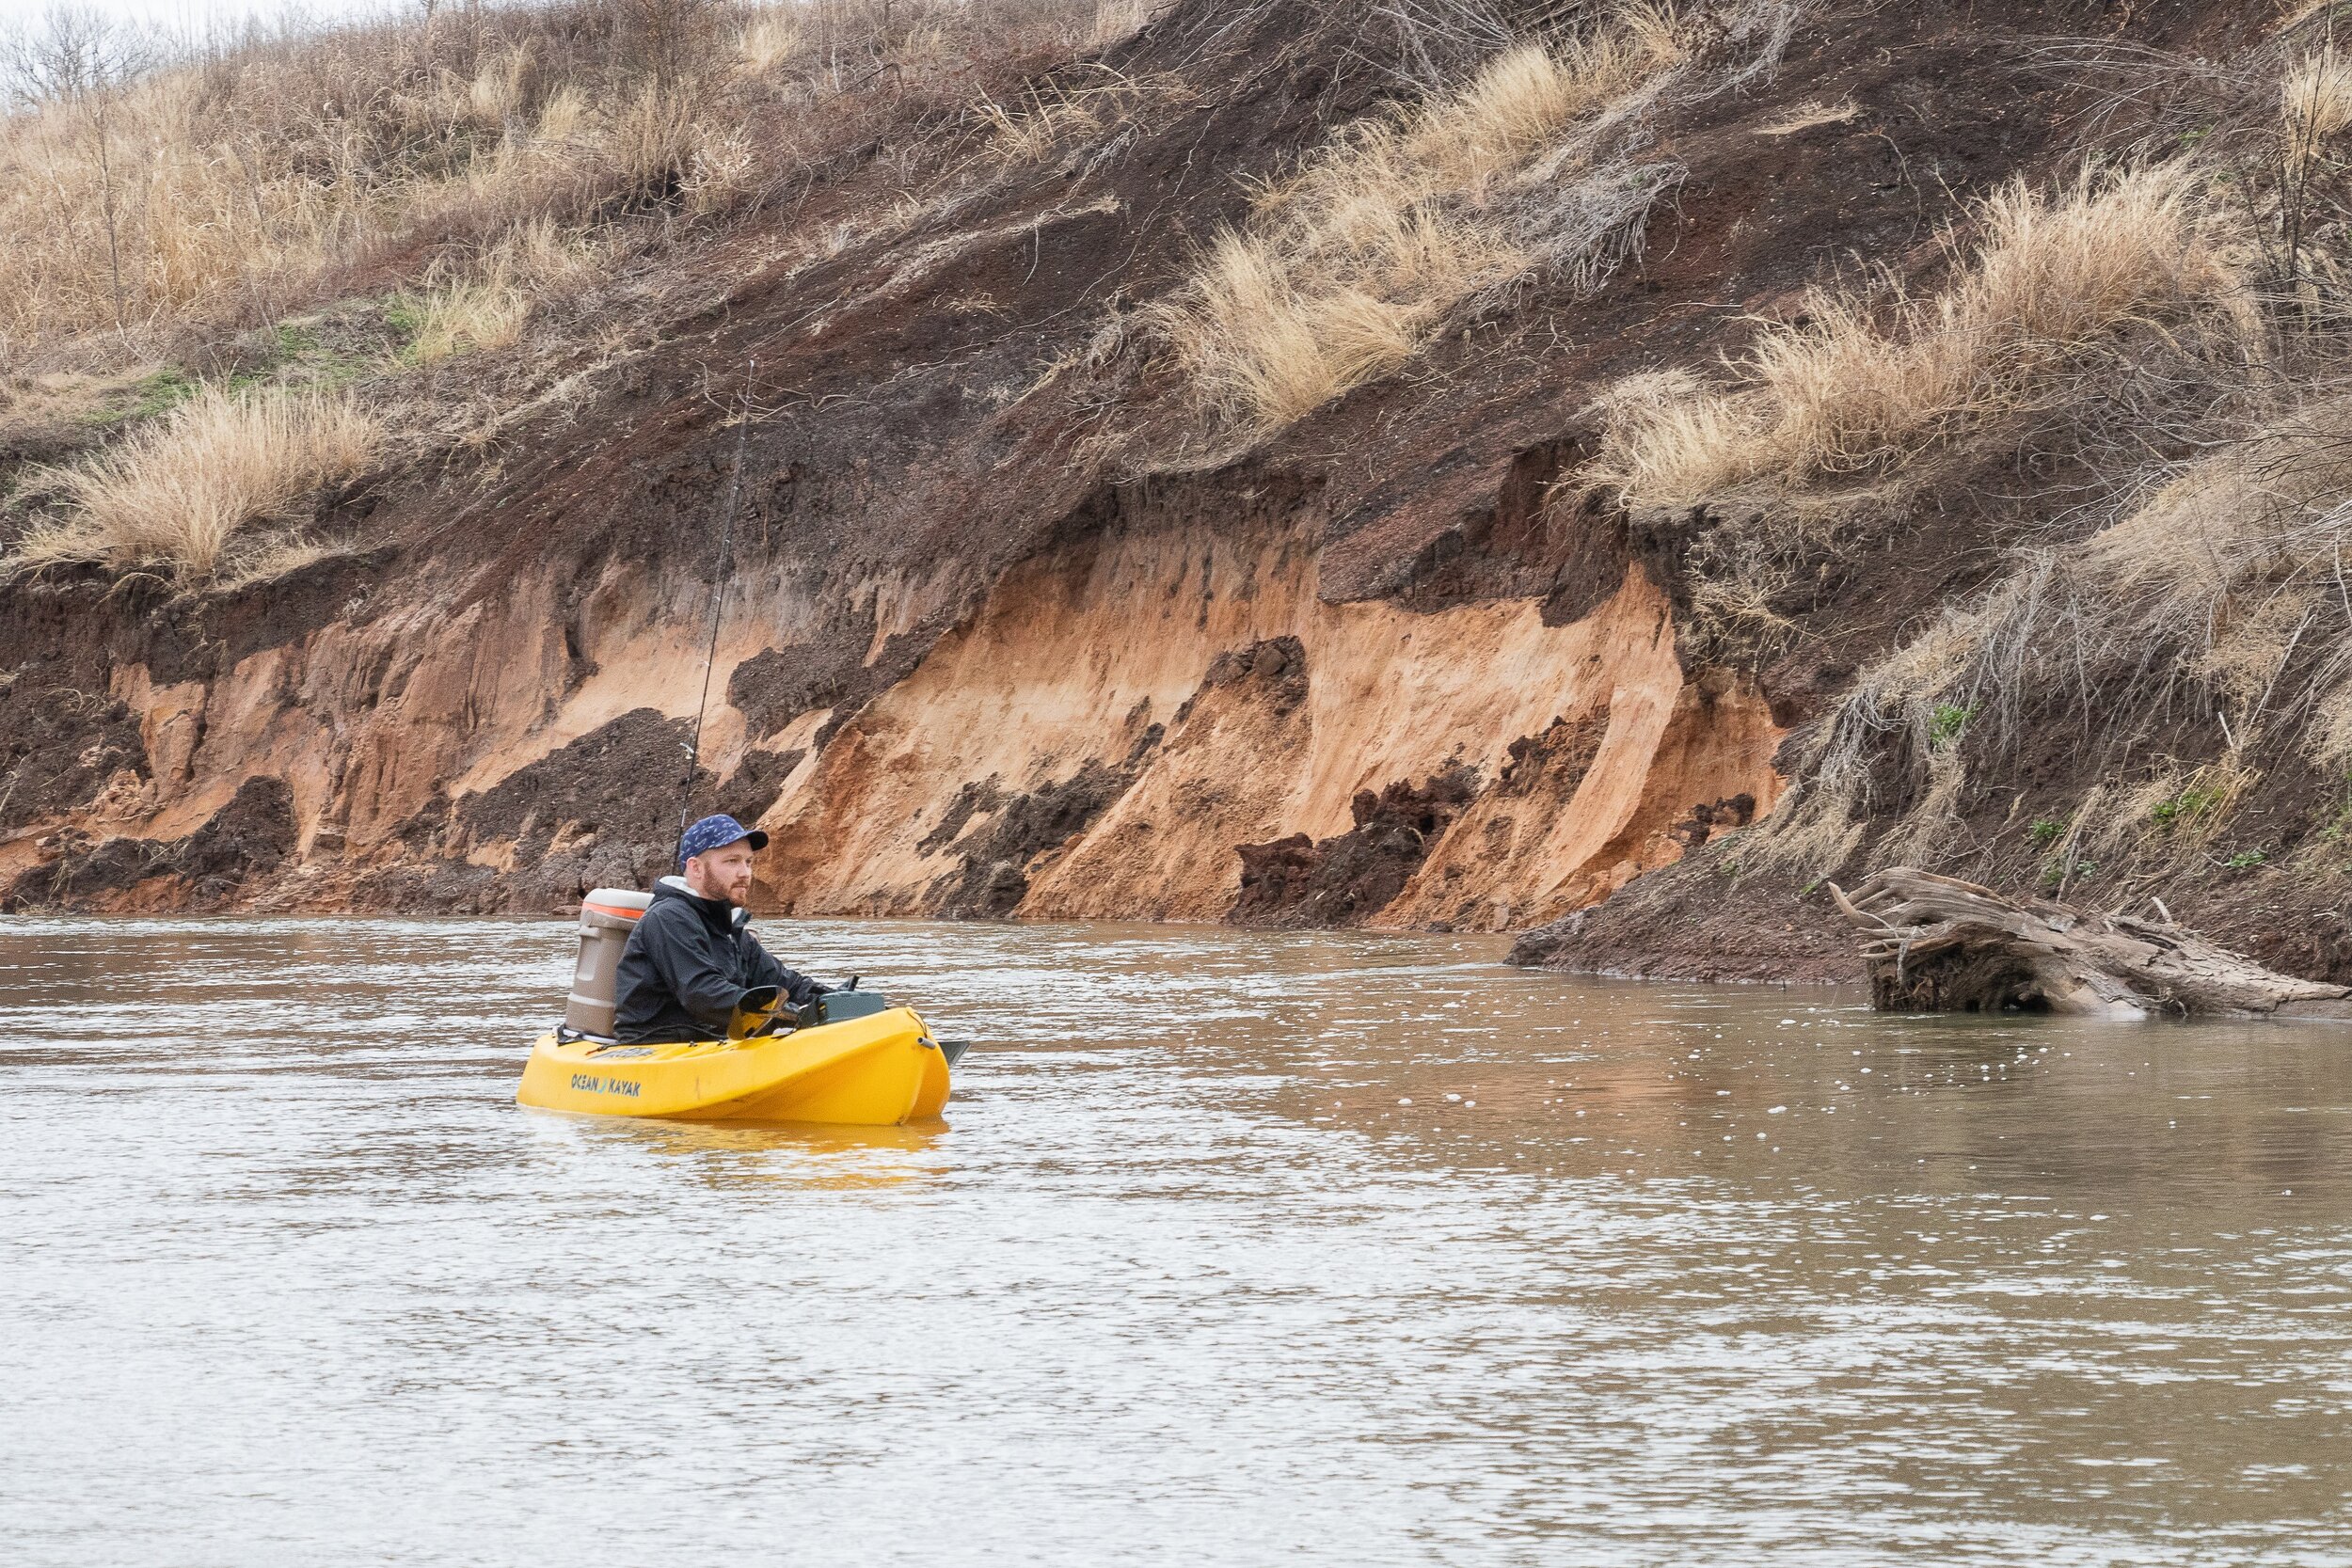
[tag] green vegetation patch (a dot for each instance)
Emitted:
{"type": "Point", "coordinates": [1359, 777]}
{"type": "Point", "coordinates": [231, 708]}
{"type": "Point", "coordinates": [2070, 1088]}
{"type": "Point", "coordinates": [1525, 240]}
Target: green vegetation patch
{"type": "Point", "coordinates": [404, 314]}
{"type": "Point", "coordinates": [2340, 817]}
{"type": "Point", "coordinates": [147, 396]}
{"type": "Point", "coordinates": [308, 354]}
{"type": "Point", "coordinates": [2186, 807]}
{"type": "Point", "coordinates": [2056, 871]}
{"type": "Point", "coordinates": [1946, 724]}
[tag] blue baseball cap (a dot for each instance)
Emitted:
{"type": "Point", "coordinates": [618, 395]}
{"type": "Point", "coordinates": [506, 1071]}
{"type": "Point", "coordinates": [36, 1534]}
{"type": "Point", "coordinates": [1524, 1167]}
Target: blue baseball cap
{"type": "Point", "coordinates": [716, 832]}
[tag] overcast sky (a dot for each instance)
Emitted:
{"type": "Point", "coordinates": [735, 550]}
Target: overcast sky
{"type": "Point", "coordinates": [200, 16]}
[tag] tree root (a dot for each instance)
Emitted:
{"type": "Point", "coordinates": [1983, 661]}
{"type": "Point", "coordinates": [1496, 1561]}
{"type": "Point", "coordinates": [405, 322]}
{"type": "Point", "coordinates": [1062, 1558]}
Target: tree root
{"type": "Point", "coordinates": [1937, 944]}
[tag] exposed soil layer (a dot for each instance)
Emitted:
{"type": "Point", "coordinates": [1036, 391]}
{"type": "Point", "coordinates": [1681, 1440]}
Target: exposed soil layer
{"type": "Point", "coordinates": [604, 811]}
{"type": "Point", "coordinates": [1022, 830]}
{"type": "Point", "coordinates": [1693, 922]}
{"type": "Point", "coordinates": [251, 836]}
{"type": "Point", "coordinates": [61, 747]}
{"type": "Point", "coordinates": [1012, 630]}
{"type": "Point", "coordinates": [1300, 881]}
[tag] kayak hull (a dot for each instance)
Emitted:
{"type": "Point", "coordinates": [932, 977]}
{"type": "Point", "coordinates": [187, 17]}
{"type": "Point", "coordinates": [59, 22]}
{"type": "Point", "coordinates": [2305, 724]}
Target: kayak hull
{"type": "Point", "coordinates": [883, 1069]}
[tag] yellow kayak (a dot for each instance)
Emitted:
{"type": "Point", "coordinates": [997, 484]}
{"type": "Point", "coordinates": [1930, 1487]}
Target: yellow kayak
{"type": "Point", "coordinates": [879, 1069]}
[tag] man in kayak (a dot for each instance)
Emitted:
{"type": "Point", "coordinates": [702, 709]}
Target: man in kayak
{"type": "Point", "coordinates": [692, 955]}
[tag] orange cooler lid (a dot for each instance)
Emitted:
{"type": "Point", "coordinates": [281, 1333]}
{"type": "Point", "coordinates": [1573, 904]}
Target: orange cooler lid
{"type": "Point", "coordinates": [616, 903]}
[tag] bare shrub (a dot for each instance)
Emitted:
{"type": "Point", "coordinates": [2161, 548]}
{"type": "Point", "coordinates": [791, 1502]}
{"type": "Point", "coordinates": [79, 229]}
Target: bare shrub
{"type": "Point", "coordinates": [176, 494]}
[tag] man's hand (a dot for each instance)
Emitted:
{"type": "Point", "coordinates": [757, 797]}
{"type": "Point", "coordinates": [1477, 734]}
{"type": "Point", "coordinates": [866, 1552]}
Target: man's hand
{"type": "Point", "coordinates": [752, 1010]}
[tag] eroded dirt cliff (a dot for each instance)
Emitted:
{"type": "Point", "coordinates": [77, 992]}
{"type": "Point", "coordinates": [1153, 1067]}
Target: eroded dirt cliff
{"type": "Point", "coordinates": [1012, 626]}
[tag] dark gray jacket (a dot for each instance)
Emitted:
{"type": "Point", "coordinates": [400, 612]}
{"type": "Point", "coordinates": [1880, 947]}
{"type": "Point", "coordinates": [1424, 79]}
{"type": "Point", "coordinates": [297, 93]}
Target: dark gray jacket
{"type": "Point", "coordinates": [686, 964]}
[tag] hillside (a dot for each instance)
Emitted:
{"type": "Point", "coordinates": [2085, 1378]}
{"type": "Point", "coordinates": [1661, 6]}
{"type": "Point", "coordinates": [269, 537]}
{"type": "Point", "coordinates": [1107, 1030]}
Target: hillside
{"type": "Point", "coordinates": [1426, 465]}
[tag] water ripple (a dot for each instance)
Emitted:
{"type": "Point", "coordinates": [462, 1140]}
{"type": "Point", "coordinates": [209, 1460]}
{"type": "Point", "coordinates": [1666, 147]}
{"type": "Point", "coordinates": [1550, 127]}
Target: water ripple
{"type": "Point", "coordinates": [1347, 1249]}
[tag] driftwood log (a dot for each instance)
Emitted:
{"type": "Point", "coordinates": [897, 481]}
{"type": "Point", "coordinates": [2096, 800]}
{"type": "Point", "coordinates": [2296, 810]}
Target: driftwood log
{"type": "Point", "coordinates": [1937, 944]}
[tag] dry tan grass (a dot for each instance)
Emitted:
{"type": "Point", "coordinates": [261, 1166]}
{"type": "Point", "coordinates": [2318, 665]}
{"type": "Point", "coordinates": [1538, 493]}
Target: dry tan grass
{"type": "Point", "coordinates": [2179, 650]}
{"type": "Point", "coordinates": [1031, 128]}
{"type": "Point", "coordinates": [488, 314]}
{"type": "Point", "coordinates": [486, 303]}
{"type": "Point", "coordinates": [176, 494]}
{"type": "Point", "coordinates": [2225, 584]}
{"type": "Point", "coordinates": [1343, 270]}
{"type": "Point", "coordinates": [1813, 112]}
{"type": "Point", "coordinates": [1821, 823]}
{"type": "Point", "coordinates": [274, 557]}
{"type": "Point", "coordinates": [2315, 104]}
{"type": "Point", "coordinates": [769, 37]}
{"type": "Point", "coordinates": [1116, 21]}
{"type": "Point", "coordinates": [1871, 379]}
{"type": "Point", "coordinates": [244, 183]}
{"type": "Point", "coordinates": [449, 178]}
{"type": "Point", "coordinates": [1274, 351]}
{"type": "Point", "coordinates": [2237, 519]}
{"type": "Point", "coordinates": [2329, 733]}
{"type": "Point", "coordinates": [2238, 563]}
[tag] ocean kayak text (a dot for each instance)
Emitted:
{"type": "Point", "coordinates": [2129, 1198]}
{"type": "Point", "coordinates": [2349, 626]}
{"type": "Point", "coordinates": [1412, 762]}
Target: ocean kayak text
{"type": "Point", "coordinates": [594, 1085]}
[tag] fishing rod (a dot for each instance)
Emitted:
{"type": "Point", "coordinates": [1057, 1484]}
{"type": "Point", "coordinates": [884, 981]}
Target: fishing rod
{"type": "Point", "coordinates": [721, 578]}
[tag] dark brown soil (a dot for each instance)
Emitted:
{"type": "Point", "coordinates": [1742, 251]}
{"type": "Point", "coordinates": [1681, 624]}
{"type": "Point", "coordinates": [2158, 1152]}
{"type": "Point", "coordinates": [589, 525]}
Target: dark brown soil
{"type": "Point", "coordinates": [778, 684]}
{"type": "Point", "coordinates": [251, 836]}
{"type": "Point", "coordinates": [601, 812]}
{"type": "Point", "coordinates": [1027, 827]}
{"type": "Point", "coordinates": [60, 745]}
{"type": "Point", "coordinates": [1299, 881]}
{"type": "Point", "coordinates": [1694, 921]}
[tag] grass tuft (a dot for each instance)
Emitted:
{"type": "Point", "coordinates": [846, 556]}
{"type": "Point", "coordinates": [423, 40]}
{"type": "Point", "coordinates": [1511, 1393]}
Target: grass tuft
{"type": "Point", "coordinates": [176, 495]}
{"type": "Point", "coordinates": [2315, 104]}
{"type": "Point", "coordinates": [1869, 379]}
{"type": "Point", "coordinates": [1344, 270]}
{"type": "Point", "coordinates": [467, 315]}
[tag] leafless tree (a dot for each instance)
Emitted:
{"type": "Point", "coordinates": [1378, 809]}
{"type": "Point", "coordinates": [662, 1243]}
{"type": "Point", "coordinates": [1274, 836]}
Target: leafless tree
{"type": "Point", "coordinates": [77, 60]}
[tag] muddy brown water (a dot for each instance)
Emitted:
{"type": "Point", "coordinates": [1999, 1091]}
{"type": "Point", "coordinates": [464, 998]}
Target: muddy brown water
{"type": "Point", "coordinates": [1233, 1248]}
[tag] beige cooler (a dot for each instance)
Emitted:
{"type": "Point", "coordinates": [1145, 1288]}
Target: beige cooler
{"type": "Point", "coordinates": [606, 916]}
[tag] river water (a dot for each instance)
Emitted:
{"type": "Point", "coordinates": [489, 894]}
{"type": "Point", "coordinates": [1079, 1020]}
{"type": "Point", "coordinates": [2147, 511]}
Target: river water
{"type": "Point", "coordinates": [1233, 1249]}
